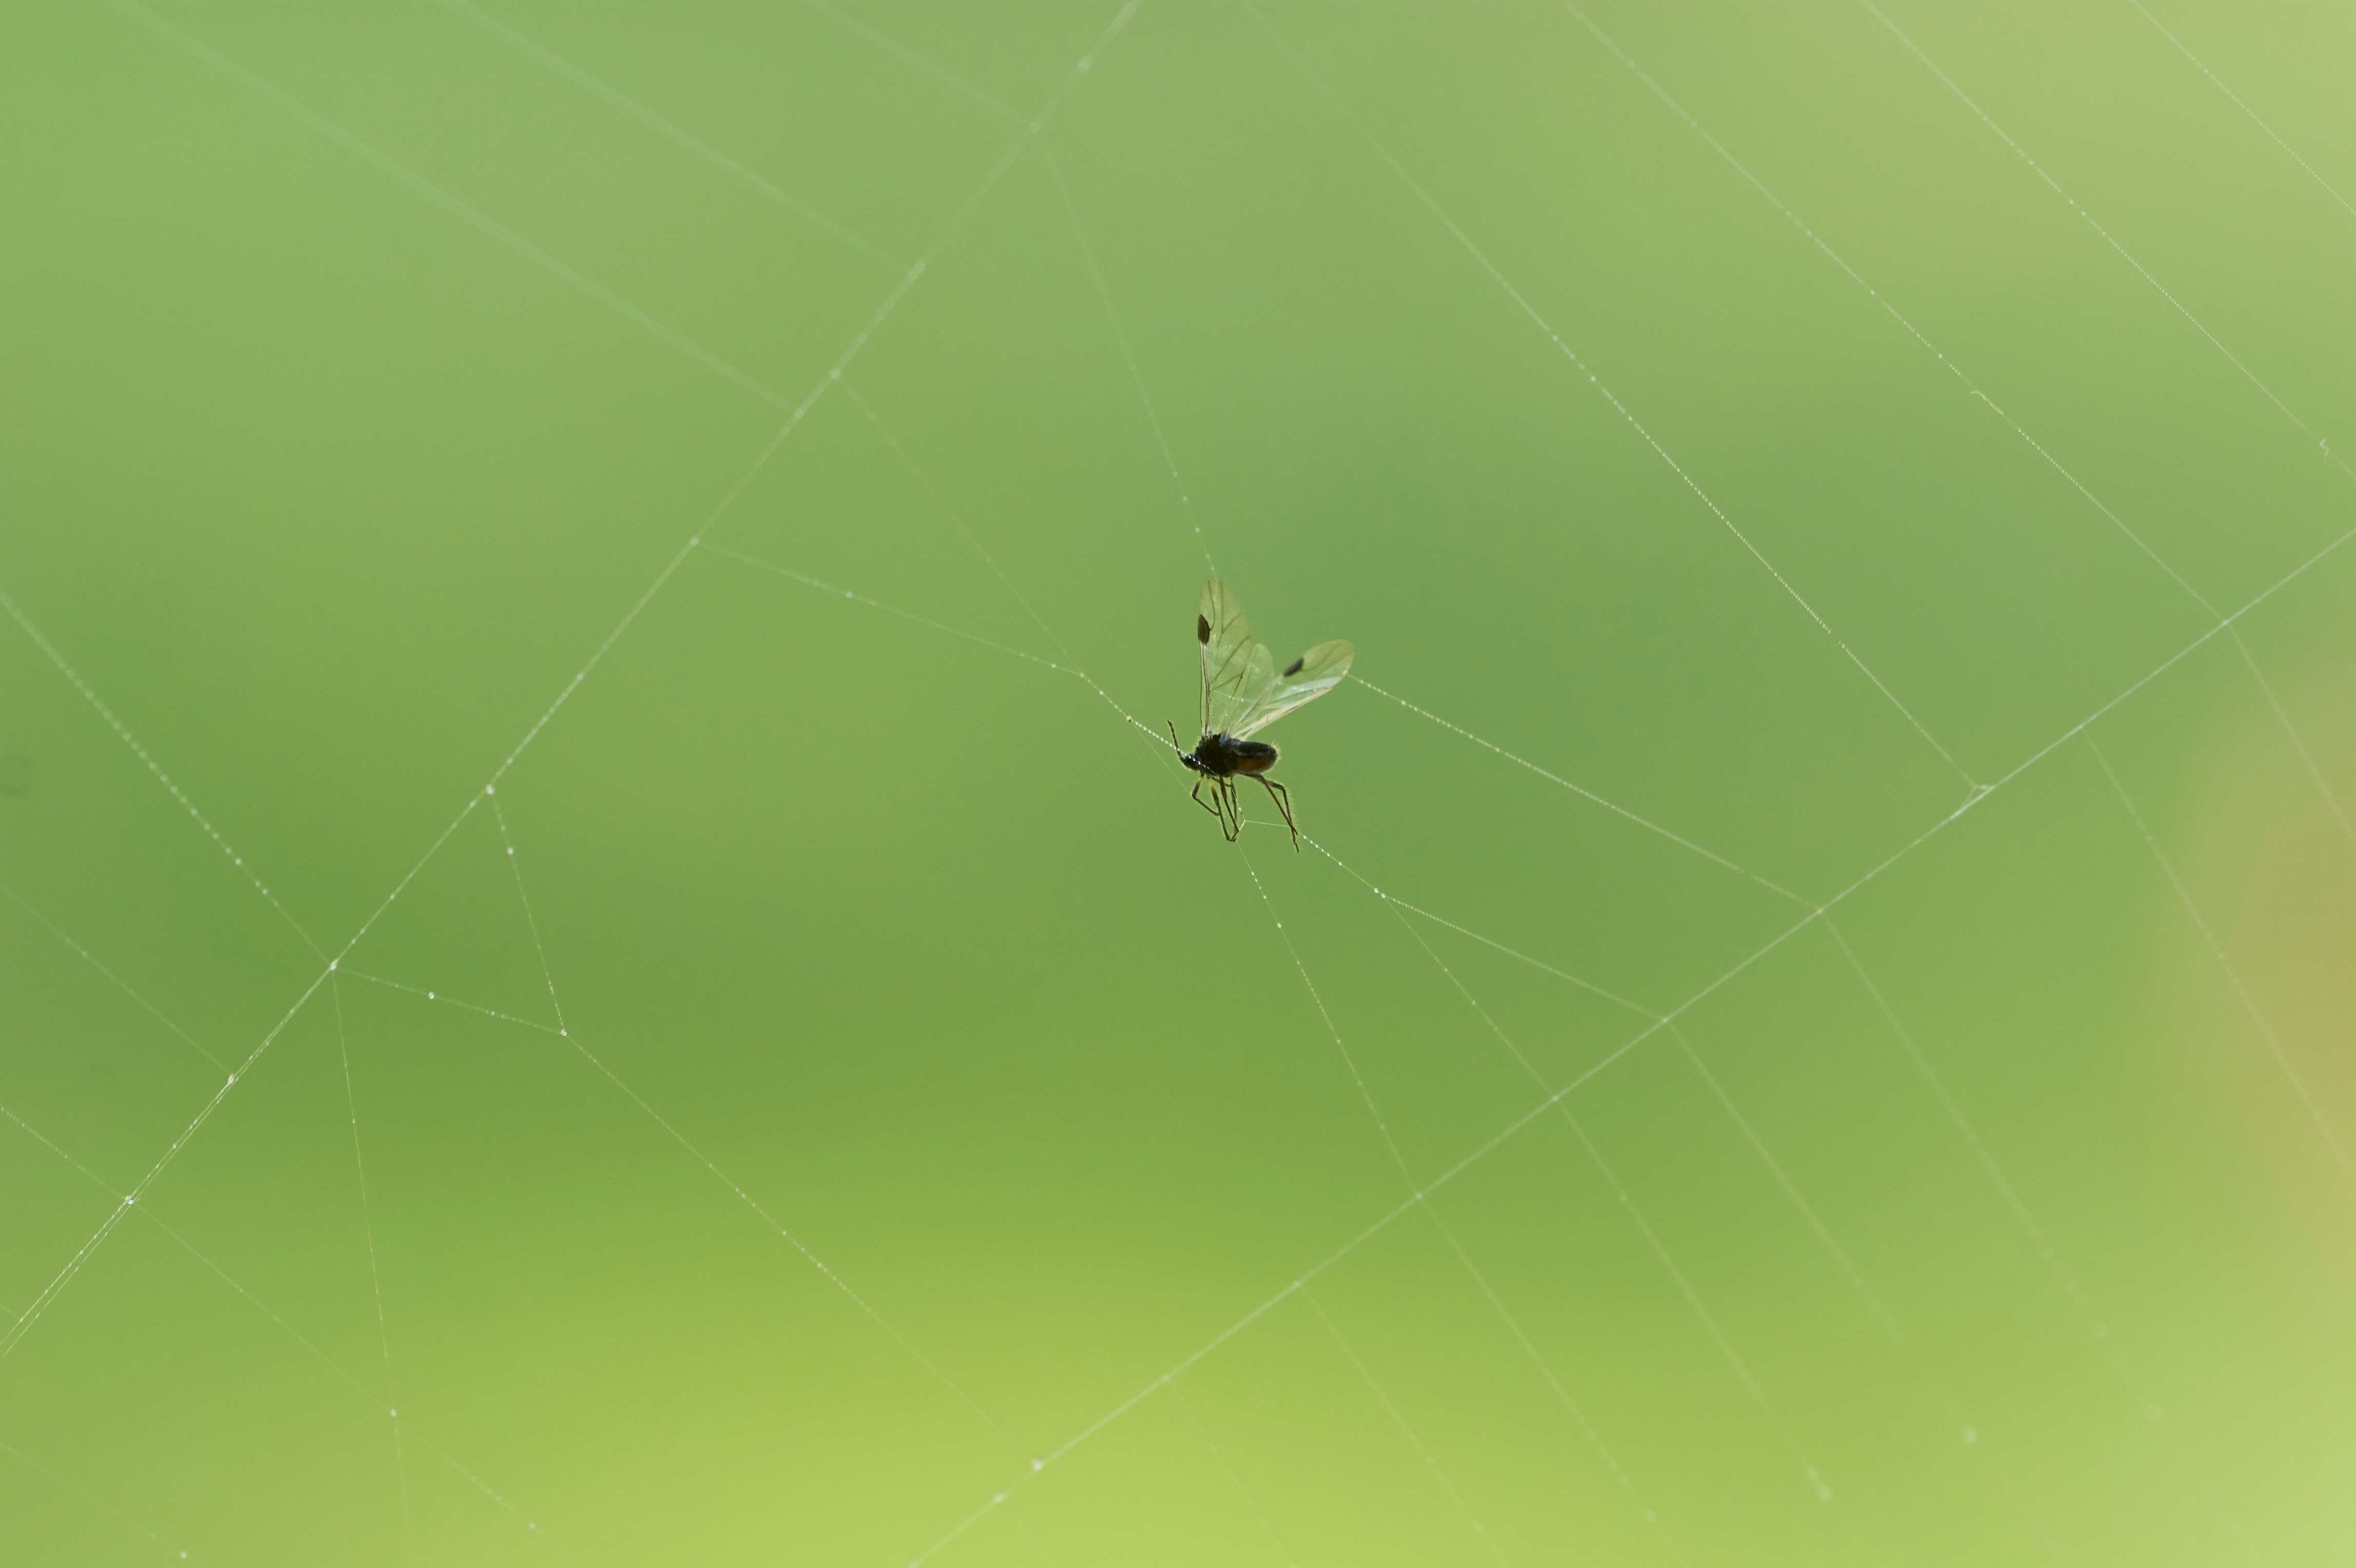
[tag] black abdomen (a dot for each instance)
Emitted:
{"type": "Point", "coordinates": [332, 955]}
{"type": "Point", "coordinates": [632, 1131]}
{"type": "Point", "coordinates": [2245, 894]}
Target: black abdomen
{"type": "Point", "coordinates": [1223, 756]}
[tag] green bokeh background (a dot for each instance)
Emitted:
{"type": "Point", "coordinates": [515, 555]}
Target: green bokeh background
{"type": "Point", "coordinates": [364, 367]}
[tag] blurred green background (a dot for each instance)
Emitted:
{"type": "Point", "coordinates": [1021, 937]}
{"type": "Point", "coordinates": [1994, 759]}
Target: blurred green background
{"type": "Point", "coordinates": [365, 365]}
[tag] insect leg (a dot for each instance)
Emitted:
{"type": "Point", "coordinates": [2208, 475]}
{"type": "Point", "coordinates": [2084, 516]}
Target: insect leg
{"type": "Point", "coordinates": [1208, 805]}
{"type": "Point", "coordinates": [1284, 798]}
{"type": "Point", "coordinates": [1234, 821]}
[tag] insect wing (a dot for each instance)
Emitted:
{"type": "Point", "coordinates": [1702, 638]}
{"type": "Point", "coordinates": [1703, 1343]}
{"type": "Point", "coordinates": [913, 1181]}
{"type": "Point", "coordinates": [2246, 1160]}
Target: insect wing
{"type": "Point", "coordinates": [1236, 668]}
{"type": "Point", "coordinates": [1308, 677]}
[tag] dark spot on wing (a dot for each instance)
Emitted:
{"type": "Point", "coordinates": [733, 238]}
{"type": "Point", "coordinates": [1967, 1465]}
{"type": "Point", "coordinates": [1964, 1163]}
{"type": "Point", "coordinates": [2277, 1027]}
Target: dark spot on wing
{"type": "Point", "coordinates": [1294, 668]}
{"type": "Point", "coordinates": [1202, 628]}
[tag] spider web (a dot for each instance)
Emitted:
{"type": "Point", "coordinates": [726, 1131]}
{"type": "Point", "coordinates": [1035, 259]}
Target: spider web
{"type": "Point", "coordinates": [1807, 971]}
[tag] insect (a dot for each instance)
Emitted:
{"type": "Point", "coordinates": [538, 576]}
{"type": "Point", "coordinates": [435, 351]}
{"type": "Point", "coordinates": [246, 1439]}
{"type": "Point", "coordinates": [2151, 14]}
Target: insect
{"type": "Point", "coordinates": [1244, 693]}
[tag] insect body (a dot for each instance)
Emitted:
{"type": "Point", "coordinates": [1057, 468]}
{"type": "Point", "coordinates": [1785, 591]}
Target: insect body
{"type": "Point", "coordinates": [1243, 692]}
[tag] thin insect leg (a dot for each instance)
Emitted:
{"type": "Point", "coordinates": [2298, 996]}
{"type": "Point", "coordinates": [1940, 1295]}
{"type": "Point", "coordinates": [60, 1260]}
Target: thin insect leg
{"type": "Point", "coordinates": [1197, 796]}
{"type": "Point", "coordinates": [1234, 822]}
{"type": "Point", "coordinates": [1284, 798]}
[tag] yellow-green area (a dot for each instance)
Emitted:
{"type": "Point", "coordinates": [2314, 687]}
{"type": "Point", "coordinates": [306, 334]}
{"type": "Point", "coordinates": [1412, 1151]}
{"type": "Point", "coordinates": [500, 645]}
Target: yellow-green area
{"type": "Point", "coordinates": [1812, 1021]}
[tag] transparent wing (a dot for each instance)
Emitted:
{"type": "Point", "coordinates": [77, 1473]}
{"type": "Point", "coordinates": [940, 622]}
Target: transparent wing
{"type": "Point", "coordinates": [1235, 669]}
{"type": "Point", "coordinates": [1308, 677]}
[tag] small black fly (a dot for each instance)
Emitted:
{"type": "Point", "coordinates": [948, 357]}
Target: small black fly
{"type": "Point", "coordinates": [1244, 693]}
